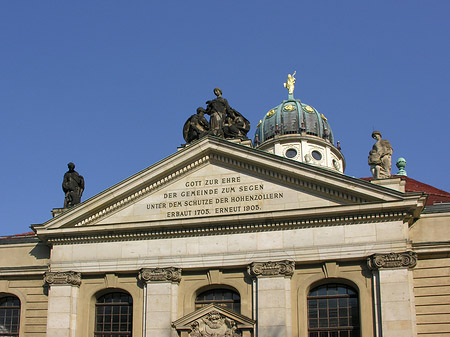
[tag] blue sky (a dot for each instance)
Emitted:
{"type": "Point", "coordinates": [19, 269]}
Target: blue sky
{"type": "Point", "coordinates": [109, 84]}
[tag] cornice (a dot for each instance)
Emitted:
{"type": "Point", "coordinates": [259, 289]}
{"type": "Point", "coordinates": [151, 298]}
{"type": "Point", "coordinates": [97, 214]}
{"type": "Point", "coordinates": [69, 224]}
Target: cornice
{"type": "Point", "coordinates": [285, 177]}
{"type": "Point", "coordinates": [223, 228]}
{"type": "Point", "coordinates": [431, 247]}
{"type": "Point", "coordinates": [23, 270]}
{"type": "Point", "coordinates": [142, 192]}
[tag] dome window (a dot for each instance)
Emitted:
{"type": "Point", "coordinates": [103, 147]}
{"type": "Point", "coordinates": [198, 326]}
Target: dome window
{"type": "Point", "coordinates": [316, 155]}
{"type": "Point", "coordinates": [291, 153]}
{"type": "Point", "coordinates": [336, 164]}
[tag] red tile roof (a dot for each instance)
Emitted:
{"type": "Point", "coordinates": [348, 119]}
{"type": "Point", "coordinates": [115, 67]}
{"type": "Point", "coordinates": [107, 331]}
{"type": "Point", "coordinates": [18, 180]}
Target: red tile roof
{"type": "Point", "coordinates": [18, 236]}
{"type": "Point", "coordinates": [435, 195]}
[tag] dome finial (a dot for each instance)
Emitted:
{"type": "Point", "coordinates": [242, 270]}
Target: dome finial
{"type": "Point", "coordinates": [289, 85]}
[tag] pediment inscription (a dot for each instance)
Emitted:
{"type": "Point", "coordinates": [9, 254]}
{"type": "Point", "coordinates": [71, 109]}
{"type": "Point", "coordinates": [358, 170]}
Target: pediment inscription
{"type": "Point", "coordinates": [216, 191]}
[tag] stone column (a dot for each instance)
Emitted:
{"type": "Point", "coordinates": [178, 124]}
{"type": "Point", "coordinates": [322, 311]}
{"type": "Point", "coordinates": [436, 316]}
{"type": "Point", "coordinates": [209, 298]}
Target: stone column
{"type": "Point", "coordinates": [62, 303]}
{"type": "Point", "coordinates": [394, 302]}
{"type": "Point", "coordinates": [161, 300]}
{"type": "Point", "coordinates": [273, 297]}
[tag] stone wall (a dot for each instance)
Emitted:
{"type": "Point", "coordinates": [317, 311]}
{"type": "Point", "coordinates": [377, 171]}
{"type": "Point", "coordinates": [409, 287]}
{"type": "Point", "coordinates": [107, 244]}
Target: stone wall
{"type": "Point", "coordinates": [33, 299]}
{"type": "Point", "coordinates": [432, 293]}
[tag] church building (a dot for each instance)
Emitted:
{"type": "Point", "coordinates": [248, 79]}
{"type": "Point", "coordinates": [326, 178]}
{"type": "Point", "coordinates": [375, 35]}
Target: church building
{"type": "Point", "coordinates": [232, 237]}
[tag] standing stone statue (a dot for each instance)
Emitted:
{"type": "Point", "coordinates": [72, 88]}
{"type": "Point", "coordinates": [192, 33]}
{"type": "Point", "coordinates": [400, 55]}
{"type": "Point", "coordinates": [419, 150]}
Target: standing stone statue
{"type": "Point", "coordinates": [73, 186]}
{"type": "Point", "coordinates": [196, 126]}
{"type": "Point", "coordinates": [380, 157]}
{"type": "Point", "coordinates": [217, 109]}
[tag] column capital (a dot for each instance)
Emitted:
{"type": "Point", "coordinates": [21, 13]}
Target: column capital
{"type": "Point", "coordinates": [392, 260]}
{"type": "Point", "coordinates": [271, 268]}
{"type": "Point", "coordinates": [170, 274]}
{"type": "Point", "coordinates": [65, 278]}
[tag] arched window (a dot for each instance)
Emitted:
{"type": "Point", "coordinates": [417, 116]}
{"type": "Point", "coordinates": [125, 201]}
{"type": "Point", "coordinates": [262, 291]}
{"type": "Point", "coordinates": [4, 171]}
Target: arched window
{"type": "Point", "coordinates": [9, 316]}
{"type": "Point", "coordinates": [114, 315]}
{"type": "Point", "coordinates": [223, 297]}
{"type": "Point", "coordinates": [333, 311]}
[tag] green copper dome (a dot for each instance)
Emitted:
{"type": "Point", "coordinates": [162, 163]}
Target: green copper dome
{"type": "Point", "coordinates": [293, 117]}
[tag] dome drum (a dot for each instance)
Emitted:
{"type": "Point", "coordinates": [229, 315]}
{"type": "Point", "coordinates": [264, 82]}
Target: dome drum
{"type": "Point", "coordinates": [308, 149]}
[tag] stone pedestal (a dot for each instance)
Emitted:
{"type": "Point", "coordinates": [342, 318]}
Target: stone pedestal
{"type": "Point", "coordinates": [394, 302]}
{"type": "Point", "coordinates": [58, 211]}
{"type": "Point", "coordinates": [62, 303]}
{"type": "Point", "coordinates": [273, 297]}
{"type": "Point", "coordinates": [161, 299]}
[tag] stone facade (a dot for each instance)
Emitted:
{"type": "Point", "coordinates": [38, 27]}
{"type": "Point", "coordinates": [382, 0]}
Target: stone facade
{"type": "Point", "coordinates": [219, 217]}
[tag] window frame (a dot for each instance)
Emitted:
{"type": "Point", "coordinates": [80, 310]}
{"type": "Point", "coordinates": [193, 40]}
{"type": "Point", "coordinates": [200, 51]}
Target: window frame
{"type": "Point", "coordinates": [14, 308]}
{"type": "Point", "coordinates": [114, 304]}
{"type": "Point", "coordinates": [351, 329]}
{"type": "Point", "coordinates": [235, 303]}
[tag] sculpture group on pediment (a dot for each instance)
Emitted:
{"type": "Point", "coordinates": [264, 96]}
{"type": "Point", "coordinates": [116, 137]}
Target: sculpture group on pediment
{"type": "Point", "coordinates": [224, 121]}
{"type": "Point", "coordinates": [380, 157]}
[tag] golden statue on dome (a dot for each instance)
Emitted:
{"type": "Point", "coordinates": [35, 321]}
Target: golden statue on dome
{"type": "Point", "coordinates": [290, 82]}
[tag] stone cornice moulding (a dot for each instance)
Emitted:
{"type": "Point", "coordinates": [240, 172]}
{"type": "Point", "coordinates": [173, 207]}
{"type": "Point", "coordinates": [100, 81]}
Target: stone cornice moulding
{"type": "Point", "coordinates": [332, 184]}
{"type": "Point", "coordinates": [431, 247]}
{"type": "Point", "coordinates": [169, 274]}
{"type": "Point", "coordinates": [392, 260]}
{"type": "Point", "coordinates": [287, 177]}
{"type": "Point", "coordinates": [63, 278]}
{"type": "Point", "coordinates": [23, 270]}
{"type": "Point", "coordinates": [272, 269]}
{"type": "Point", "coordinates": [232, 228]}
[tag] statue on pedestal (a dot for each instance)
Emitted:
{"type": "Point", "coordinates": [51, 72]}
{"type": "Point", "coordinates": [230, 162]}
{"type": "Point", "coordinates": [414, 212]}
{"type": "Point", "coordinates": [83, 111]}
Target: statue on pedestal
{"type": "Point", "coordinates": [73, 186]}
{"type": "Point", "coordinates": [380, 157]}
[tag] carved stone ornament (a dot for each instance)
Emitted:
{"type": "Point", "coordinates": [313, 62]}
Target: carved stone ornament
{"type": "Point", "coordinates": [392, 260]}
{"type": "Point", "coordinates": [280, 268]}
{"type": "Point", "coordinates": [214, 324]}
{"type": "Point", "coordinates": [63, 278]}
{"type": "Point", "coordinates": [214, 321]}
{"type": "Point", "coordinates": [170, 274]}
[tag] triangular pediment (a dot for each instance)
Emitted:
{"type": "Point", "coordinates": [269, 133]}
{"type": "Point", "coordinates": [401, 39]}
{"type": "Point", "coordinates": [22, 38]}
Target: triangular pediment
{"type": "Point", "coordinates": [218, 182]}
{"type": "Point", "coordinates": [214, 190]}
{"type": "Point", "coordinates": [217, 320]}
